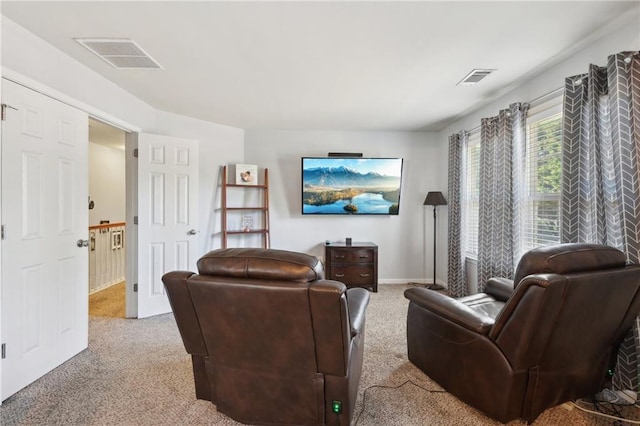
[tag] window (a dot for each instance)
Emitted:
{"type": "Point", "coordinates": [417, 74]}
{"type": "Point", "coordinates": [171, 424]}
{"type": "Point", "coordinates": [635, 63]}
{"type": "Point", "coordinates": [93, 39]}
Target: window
{"type": "Point", "coordinates": [541, 221]}
{"type": "Point", "coordinates": [540, 224]}
{"type": "Point", "coordinates": [472, 193]}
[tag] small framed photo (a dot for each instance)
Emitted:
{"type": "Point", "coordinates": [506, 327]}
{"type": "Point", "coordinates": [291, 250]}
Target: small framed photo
{"type": "Point", "coordinates": [247, 223]}
{"type": "Point", "coordinates": [246, 174]}
{"type": "Point", "coordinates": [116, 240]}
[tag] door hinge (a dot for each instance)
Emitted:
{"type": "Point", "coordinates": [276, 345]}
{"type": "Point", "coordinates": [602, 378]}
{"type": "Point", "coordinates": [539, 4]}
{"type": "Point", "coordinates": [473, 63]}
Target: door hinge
{"type": "Point", "coordinates": [135, 220]}
{"type": "Point", "coordinates": [135, 287]}
{"type": "Point", "coordinates": [4, 350]}
{"type": "Point", "coordinates": [2, 232]}
{"type": "Point", "coordinates": [135, 152]}
{"type": "Point", "coordinates": [3, 111]}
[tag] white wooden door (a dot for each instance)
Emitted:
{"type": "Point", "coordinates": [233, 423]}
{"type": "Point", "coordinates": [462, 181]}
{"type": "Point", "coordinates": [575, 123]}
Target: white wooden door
{"type": "Point", "coordinates": [167, 215]}
{"type": "Point", "coordinates": [44, 210]}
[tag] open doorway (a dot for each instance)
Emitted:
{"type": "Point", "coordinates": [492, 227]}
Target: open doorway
{"type": "Point", "coordinates": [107, 220]}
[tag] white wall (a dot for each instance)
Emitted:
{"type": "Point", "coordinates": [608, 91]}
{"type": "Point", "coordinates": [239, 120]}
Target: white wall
{"type": "Point", "coordinates": [106, 184]}
{"type": "Point", "coordinates": [400, 238]}
{"type": "Point", "coordinates": [623, 35]}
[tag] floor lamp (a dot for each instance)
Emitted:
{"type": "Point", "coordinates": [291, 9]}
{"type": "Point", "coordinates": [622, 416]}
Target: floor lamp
{"type": "Point", "coordinates": [434, 199]}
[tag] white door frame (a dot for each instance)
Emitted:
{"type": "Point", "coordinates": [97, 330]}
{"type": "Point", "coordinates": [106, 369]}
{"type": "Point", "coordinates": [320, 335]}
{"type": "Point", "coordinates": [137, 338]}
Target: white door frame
{"type": "Point", "coordinates": [132, 130]}
{"type": "Point", "coordinates": [131, 227]}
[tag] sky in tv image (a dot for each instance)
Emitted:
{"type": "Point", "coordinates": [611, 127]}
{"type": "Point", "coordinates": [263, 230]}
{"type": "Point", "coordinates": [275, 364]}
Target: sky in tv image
{"type": "Point", "coordinates": [351, 185]}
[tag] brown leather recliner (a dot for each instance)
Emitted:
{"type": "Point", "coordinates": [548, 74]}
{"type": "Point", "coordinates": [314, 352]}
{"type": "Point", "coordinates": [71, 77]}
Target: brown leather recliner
{"type": "Point", "coordinates": [512, 353]}
{"type": "Point", "coordinates": [271, 341]}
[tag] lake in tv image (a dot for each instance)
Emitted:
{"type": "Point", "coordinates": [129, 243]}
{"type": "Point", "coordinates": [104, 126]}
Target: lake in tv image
{"type": "Point", "coordinates": [351, 185]}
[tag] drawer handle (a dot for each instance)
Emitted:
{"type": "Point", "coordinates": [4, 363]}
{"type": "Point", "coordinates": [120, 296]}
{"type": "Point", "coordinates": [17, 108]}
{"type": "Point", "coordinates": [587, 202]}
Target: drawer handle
{"type": "Point", "coordinates": [364, 256]}
{"type": "Point", "coordinates": [339, 257]}
{"type": "Point", "coordinates": [364, 275]}
{"type": "Point", "coordinates": [339, 275]}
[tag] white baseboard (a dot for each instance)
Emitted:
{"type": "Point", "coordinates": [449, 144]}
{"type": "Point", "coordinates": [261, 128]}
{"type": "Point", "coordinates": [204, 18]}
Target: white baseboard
{"type": "Point", "coordinates": [409, 280]}
{"type": "Point", "coordinates": [393, 281]}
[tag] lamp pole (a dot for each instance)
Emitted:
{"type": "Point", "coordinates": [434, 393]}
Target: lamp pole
{"type": "Point", "coordinates": [434, 199]}
{"type": "Point", "coordinates": [434, 244]}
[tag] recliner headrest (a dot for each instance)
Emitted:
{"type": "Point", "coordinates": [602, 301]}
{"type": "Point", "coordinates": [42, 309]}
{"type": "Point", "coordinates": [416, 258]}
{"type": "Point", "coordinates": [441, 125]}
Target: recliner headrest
{"type": "Point", "coordinates": [257, 263]}
{"type": "Point", "coordinates": [568, 258]}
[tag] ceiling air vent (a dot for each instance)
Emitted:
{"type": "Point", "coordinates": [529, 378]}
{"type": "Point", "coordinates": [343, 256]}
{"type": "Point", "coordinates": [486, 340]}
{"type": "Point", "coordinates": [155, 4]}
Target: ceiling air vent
{"type": "Point", "coordinates": [120, 53]}
{"type": "Point", "coordinates": [474, 76]}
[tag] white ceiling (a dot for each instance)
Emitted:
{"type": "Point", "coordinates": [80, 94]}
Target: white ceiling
{"type": "Point", "coordinates": [324, 65]}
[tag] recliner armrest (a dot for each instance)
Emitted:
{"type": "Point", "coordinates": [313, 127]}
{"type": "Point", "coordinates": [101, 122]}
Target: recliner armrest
{"type": "Point", "coordinates": [175, 283]}
{"type": "Point", "coordinates": [357, 301]}
{"type": "Point", "coordinates": [450, 309]}
{"type": "Point", "coordinates": [500, 288]}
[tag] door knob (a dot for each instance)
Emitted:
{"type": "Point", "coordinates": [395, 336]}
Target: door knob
{"type": "Point", "coordinates": [192, 232]}
{"type": "Point", "coordinates": [82, 243]}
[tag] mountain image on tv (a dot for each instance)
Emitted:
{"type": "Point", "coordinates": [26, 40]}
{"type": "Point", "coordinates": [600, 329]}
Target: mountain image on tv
{"type": "Point", "coordinates": [351, 186]}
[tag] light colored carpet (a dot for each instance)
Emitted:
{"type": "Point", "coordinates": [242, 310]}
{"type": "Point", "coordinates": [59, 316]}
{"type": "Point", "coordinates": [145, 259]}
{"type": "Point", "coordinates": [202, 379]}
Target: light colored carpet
{"type": "Point", "coordinates": [136, 372]}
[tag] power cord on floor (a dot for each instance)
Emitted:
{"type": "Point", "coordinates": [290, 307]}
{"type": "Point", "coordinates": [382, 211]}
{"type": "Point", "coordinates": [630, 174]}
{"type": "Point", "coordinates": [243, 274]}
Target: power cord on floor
{"type": "Point", "coordinates": [364, 394]}
{"type": "Point", "coordinates": [607, 409]}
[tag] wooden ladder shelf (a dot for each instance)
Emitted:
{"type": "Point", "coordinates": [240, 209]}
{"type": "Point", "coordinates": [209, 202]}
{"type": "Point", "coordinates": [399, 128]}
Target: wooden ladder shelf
{"type": "Point", "coordinates": [263, 209]}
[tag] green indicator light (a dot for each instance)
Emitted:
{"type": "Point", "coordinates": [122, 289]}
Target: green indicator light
{"type": "Point", "coordinates": [336, 406]}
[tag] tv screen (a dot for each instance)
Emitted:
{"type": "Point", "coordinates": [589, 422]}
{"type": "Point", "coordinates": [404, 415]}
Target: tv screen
{"type": "Point", "coordinates": [351, 185]}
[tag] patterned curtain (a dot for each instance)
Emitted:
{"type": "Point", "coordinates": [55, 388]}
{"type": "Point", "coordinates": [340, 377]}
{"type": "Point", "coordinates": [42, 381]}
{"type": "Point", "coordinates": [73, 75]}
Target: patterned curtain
{"type": "Point", "coordinates": [601, 172]}
{"type": "Point", "coordinates": [518, 175]}
{"type": "Point", "coordinates": [456, 274]}
{"type": "Point", "coordinates": [499, 140]}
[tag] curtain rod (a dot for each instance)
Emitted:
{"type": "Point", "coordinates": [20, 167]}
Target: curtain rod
{"type": "Point", "coordinates": [534, 102]}
{"type": "Point", "coordinates": [540, 99]}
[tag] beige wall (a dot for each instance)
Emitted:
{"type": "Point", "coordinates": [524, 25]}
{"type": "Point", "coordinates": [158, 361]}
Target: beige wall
{"type": "Point", "coordinates": [106, 184]}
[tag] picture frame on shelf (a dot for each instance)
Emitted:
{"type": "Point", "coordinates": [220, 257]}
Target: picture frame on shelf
{"type": "Point", "coordinates": [246, 174]}
{"type": "Point", "coordinates": [116, 240]}
{"type": "Point", "coordinates": [247, 223]}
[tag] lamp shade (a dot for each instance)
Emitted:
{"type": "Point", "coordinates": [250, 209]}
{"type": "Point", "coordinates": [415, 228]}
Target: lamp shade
{"type": "Point", "coordinates": [435, 198]}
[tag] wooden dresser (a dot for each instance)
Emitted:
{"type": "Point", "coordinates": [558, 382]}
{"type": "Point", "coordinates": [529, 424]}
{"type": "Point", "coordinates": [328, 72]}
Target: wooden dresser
{"type": "Point", "coordinates": [356, 265]}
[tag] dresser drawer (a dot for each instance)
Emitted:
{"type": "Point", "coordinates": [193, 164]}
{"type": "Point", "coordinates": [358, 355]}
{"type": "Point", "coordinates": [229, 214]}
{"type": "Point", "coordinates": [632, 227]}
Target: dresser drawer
{"type": "Point", "coordinates": [355, 265]}
{"type": "Point", "coordinates": [360, 255]}
{"type": "Point", "coordinates": [353, 275]}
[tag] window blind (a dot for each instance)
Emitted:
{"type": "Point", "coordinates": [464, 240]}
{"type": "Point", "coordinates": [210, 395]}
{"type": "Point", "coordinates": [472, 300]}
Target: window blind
{"type": "Point", "coordinates": [540, 224]}
{"type": "Point", "coordinates": [541, 221]}
{"type": "Point", "coordinates": [472, 193]}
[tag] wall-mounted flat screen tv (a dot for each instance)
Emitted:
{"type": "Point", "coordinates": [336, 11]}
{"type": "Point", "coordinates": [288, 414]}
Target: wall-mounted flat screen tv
{"type": "Point", "coordinates": [351, 185]}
